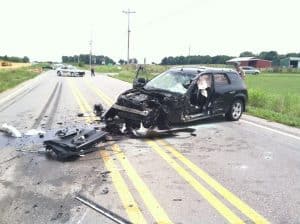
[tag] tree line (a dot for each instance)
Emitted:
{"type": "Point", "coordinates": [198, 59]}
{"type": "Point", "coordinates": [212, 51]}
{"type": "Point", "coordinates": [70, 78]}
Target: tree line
{"type": "Point", "coordinates": [25, 59]}
{"type": "Point", "coordinates": [85, 59]}
{"type": "Point", "coordinates": [195, 59]}
{"type": "Point", "coordinates": [221, 59]}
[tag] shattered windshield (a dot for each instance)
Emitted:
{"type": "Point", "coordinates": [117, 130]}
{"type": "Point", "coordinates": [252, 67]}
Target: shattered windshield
{"type": "Point", "coordinates": [172, 81]}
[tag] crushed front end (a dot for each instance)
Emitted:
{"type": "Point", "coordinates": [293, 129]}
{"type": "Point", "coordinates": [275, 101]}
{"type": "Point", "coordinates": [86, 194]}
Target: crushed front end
{"type": "Point", "coordinates": [136, 107]}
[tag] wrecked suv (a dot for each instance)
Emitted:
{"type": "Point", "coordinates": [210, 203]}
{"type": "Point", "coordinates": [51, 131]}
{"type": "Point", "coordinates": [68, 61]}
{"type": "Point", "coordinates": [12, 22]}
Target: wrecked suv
{"type": "Point", "coordinates": [179, 95]}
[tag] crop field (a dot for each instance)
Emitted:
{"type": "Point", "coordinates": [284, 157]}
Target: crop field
{"type": "Point", "coordinates": [12, 65]}
{"type": "Point", "coordinates": [275, 96]}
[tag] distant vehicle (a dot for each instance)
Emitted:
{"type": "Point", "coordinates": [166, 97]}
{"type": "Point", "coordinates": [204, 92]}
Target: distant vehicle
{"type": "Point", "coordinates": [69, 71]}
{"type": "Point", "coordinates": [250, 70]}
{"type": "Point", "coordinates": [179, 95]}
{"type": "Point", "coordinates": [56, 66]}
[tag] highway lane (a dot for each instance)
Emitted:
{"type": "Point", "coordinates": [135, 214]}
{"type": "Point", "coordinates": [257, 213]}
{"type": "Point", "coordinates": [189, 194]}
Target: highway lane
{"type": "Point", "coordinates": [231, 172]}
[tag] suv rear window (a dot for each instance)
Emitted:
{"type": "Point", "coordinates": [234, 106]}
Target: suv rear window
{"type": "Point", "coordinates": [221, 79]}
{"type": "Point", "coordinates": [233, 76]}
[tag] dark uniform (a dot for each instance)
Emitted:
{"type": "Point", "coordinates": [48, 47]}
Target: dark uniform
{"type": "Point", "coordinates": [92, 72]}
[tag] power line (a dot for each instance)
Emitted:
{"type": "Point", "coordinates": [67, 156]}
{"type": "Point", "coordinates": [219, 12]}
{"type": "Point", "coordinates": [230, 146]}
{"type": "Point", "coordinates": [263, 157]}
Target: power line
{"type": "Point", "coordinates": [128, 12]}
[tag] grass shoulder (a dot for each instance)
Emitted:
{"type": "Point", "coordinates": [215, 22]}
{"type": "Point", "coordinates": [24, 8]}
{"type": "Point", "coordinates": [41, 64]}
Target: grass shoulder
{"type": "Point", "coordinates": [10, 78]}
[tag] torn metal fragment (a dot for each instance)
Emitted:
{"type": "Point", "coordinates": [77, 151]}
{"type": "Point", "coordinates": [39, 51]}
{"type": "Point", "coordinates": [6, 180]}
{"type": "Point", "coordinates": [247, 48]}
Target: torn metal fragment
{"type": "Point", "coordinates": [109, 214]}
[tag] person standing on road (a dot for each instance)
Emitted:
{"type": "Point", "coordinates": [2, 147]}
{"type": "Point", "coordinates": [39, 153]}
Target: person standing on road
{"type": "Point", "coordinates": [92, 72]}
{"type": "Point", "coordinates": [239, 70]}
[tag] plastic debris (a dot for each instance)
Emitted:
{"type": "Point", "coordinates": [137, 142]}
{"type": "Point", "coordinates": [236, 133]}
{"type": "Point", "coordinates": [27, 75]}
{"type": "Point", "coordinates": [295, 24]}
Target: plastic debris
{"type": "Point", "coordinates": [10, 130]}
{"type": "Point", "coordinates": [33, 132]}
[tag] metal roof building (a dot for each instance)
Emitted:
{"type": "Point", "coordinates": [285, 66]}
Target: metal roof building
{"type": "Point", "coordinates": [251, 61]}
{"type": "Point", "coordinates": [290, 62]}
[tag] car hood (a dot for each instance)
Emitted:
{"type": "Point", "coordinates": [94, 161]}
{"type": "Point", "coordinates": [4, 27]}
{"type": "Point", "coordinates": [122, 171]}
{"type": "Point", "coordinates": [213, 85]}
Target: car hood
{"type": "Point", "coordinates": [140, 98]}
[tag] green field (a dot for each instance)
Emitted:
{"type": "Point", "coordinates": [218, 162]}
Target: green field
{"type": "Point", "coordinates": [10, 78]}
{"type": "Point", "coordinates": [275, 96]}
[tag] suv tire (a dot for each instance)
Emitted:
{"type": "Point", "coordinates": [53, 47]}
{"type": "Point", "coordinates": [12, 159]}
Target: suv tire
{"type": "Point", "coordinates": [235, 111]}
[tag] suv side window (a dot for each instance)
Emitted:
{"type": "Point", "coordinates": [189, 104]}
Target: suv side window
{"type": "Point", "coordinates": [221, 79]}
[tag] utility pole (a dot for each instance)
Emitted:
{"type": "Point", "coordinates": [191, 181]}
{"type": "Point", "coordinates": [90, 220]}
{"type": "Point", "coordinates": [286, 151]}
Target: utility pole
{"type": "Point", "coordinates": [128, 12]}
{"type": "Point", "coordinates": [91, 43]}
{"type": "Point", "coordinates": [189, 57]}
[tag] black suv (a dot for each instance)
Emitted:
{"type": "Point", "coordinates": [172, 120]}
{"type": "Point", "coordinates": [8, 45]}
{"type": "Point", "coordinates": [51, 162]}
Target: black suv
{"type": "Point", "coordinates": [180, 95]}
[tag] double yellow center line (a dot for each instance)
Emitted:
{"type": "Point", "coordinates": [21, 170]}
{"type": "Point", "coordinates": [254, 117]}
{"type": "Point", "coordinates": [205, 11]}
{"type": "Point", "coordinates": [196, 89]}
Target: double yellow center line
{"type": "Point", "coordinates": [161, 149]}
{"type": "Point", "coordinates": [132, 209]}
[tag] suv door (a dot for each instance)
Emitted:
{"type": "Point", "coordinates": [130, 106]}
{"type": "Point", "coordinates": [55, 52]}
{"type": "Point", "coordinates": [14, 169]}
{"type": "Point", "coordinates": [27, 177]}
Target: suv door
{"type": "Point", "coordinates": [222, 93]}
{"type": "Point", "coordinates": [199, 99]}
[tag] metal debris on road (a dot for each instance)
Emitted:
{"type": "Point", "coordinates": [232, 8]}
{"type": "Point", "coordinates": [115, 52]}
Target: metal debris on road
{"type": "Point", "coordinates": [109, 214]}
{"type": "Point", "coordinates": [152, 133]}
{"type": "Point", "coordinates": [98, 109]}
{"type": "Point", "coordinates": [10, 130]}
{"type": "Point", "coordinates": [74, 142]}
{"type": "Point", "coordinates": [80, 114]}
{"type": "Point", "coordinates": [105, 191]}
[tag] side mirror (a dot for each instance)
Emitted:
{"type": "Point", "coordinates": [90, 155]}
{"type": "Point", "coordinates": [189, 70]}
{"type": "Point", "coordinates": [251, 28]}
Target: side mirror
{"type": "Point", "coordinates": [139, 82]}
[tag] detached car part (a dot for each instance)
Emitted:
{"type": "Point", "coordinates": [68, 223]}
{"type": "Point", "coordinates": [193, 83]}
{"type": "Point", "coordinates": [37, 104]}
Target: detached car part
{"type": "Point", "coordinates": [75, 142]}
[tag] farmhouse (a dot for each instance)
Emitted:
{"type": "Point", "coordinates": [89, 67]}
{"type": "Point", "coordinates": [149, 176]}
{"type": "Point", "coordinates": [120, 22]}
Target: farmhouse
{"type": "Point", "coordinates": [251, 61]}
{"type": "Point", "coordinates": [290, 62]}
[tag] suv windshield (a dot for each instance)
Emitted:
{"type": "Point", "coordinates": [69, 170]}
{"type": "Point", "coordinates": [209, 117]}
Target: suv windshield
{"type": "Point", "coordinates": [172, 81]}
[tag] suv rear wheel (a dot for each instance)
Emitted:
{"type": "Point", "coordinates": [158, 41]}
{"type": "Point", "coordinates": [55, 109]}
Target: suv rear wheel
{"type": "Point", "coordinates": [235, 111]}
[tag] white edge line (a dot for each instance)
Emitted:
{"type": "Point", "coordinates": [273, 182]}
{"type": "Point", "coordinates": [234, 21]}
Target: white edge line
{"type": "Point", "coordinates": [271, 129]}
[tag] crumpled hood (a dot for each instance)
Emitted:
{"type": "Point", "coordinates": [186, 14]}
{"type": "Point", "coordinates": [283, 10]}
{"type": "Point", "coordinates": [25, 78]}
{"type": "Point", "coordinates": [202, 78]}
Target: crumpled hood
{"type": "Point", "coordinates": [134, 100]}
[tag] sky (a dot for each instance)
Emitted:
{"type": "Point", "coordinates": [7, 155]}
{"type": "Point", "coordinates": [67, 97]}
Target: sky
{"type": "Point", "coordinates": [47, 29]}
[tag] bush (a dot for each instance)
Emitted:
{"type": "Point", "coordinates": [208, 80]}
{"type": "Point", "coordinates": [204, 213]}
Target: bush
{"type": "Point", "coordinates": [81, 64]}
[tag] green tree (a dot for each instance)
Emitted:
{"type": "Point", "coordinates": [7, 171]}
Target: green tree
{"type": "Point", "coordinates": [247, 54]}
{"type": "Point", "coordinates": [26, 59]}
{"type": "Point", "coordinates": [122, 62]}
{"type": "Point", "coordinates": [271, 56]}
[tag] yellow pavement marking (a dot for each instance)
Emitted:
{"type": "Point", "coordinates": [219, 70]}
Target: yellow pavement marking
{"type": "Point", "coordinates": [214, 201]}
{"type": "Point", "coordinates": [234, 200]}
{"type": "Point", "coordinates": [83, 107]}
{"type": "Point", "coordinates": [229, 215]}
{"type": "Point", "coordinates": [102, 96]}
{"type": "Point", "coordinates": [134, 213]}
{"type": "Point", "coordinates": [128, 201]}
{"type": "Point", "coordinates": [81, 98]}
{"type": "Point", "coordinates": [154, 207]}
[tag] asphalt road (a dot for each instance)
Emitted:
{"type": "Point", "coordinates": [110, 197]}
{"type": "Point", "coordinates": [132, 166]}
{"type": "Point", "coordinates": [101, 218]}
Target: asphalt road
{"type": "Point", "coordinates": [231, 172]}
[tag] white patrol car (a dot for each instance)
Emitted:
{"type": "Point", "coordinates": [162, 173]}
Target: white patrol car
{"type": "Point", "coordinates": [69, 70]}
